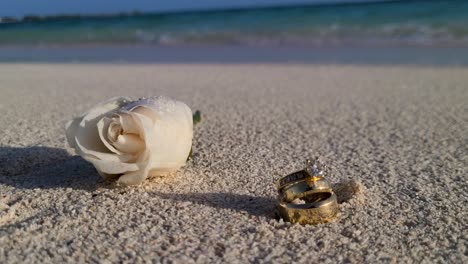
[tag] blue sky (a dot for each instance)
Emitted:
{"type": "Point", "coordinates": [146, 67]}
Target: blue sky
{"type": "Point", "coordinates": [19, 8]}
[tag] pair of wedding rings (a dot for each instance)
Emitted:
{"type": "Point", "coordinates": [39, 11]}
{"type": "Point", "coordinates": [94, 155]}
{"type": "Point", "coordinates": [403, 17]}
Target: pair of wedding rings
{"type": "Point", "coordinates": [305, 197]}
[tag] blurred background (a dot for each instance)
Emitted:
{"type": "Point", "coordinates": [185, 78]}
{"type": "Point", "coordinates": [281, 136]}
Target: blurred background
{"type": "Point", "coordinates": [434, 32]}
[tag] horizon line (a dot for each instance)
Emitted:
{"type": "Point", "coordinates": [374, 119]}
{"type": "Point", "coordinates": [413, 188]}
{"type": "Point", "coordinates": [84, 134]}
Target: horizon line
{"type": "Point", "coordinates": [137, 12]}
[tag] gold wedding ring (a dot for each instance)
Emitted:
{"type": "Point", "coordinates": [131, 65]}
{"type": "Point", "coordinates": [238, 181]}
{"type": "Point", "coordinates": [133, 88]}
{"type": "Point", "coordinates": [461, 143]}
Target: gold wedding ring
{"type": "Point", "coordinates": [312, 172]}
{"type": "Point", "coordinates": [305, 197]}
{"type": "Point", "coordinates": [290, 179]}
{"type": "Point", "coordinates": [303, 188]}
{"type": "Point", "coordinates": [319, 207]}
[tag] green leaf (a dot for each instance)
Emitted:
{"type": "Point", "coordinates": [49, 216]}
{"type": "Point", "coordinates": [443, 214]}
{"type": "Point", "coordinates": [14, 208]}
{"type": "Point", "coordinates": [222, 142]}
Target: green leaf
{"type": "Point", "coordinates": [196, 120]}
{"type": "Point", "coordinates": [190, 154]}
{"type": "Point", "coordinates": [196, 117]}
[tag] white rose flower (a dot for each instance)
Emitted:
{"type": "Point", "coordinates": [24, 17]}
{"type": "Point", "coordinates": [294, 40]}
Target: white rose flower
{"type": "Point", "coordinates": [133, 139]}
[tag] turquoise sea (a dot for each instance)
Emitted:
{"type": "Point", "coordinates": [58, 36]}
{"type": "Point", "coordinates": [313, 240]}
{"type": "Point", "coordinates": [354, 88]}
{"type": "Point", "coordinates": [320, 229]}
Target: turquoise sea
{"type": "Point", "coordinates": [398, 32]}
{"type": "Point", "coordinates": [400, 23]}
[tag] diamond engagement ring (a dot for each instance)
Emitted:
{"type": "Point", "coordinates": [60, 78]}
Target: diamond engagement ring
{"type": "Point", "coordinates": [305, 197]}
{"type": "Point", "coordinates": [313, 171]}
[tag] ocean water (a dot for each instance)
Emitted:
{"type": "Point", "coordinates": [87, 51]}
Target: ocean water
{"type": "Point", "coordinates": [402, 23]}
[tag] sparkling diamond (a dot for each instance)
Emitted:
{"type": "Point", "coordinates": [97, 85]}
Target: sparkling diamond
{"type": "Point", "coordinates": [315, 167]}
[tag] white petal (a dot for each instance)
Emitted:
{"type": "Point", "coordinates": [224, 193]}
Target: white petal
{"type": "Point", "coordinates": [105, 107]}
{"type": "Point", "coordinates": [172, 136]}
{"type": "Point", "coordinates": [145, 126]}
{"type": "Point", "coordinates": [108, 176]}
{"type": "Point", "coordinates": [114, 129]}
{"type": "Point", "coordinates": [84, 128]}
{"type": "Point", "coordinates": [70, 131]}
{"type": "Point", "coordinates": [133, 178]}
{"type": "Point", "coordinates": [102, 126]}
{"type": "Point", "coordinates": [137, 177]}
{"type": "Point", "coordinates": [109, 163]}
{"type": "Point", "coordinates": [113, 167]}
{"type": "Point", "coordinates": [129, 143]}
{"type": "Point", "coordinates": [92, 148]}
{"type": "Point", "coordinates": [147, 111]}
{"type": "Point", "coordinates": [129, 125]}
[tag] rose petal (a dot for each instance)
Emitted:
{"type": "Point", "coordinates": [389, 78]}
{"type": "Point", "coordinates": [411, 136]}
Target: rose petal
{"type": "Point", "coordinates": [86, 130]}
{"type": "Point", "coordinates": [114, 129]}
{"type": "Point", "coordinates": [128, 124]}
{"type": "Point", "coordinates": [103, 125]}
{"type": "Point", "coordinates": [146, 111]}
{"type": "Point", "coordinates": [137, 177]}
{"type": "Point", "coordinates": [133, 178]}
{"type": "Point", "coordinates": [169, 149]}
{"type": "Point", "coordinates": [105, 162]}
{"type": "Point", "coordinates": [70, 130]}
{"type": "Point", "coordinates": [108, 176]}
{"type": "Point", "coordinates": [145, 125]}
{"type": "Point", "coordinates": [129, 143]}
{"type": "Point", "coordinates": [105, 107]}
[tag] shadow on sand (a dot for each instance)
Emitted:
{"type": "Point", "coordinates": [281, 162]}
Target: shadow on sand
{"type": "Point", "coordinates": [45, 168]}
{"type": "Point", "coordinates": [48, 168]}
{"type": "Point", "coordinates": [253, 205]}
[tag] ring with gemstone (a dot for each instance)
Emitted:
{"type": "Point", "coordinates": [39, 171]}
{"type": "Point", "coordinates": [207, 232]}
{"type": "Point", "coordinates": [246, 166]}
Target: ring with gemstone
{"type": "Point", "coordinates": [318, 207]}
{"type": "Point", "coordinates": [312, 172]}
{"type": "Point", "coordinates": [303, 188]}
{"type": "Point", "coordinates": [292, 178]}
{"type": "Point", "coordinates": [305, 197]}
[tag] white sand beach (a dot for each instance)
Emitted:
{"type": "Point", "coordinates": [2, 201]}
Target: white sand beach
{"type": "Point", "coordinates": [398, 132]}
